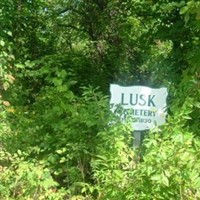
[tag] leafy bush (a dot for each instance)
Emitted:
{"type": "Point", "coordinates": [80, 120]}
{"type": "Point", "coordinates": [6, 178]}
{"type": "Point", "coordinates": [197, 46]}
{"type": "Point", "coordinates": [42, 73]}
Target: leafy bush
{"type": "Point", "coordinates": [25, 180]}
{"type": "Point", "coordinates": [72, 147]}
{"type": "Point", "coordinates": [169, 168]}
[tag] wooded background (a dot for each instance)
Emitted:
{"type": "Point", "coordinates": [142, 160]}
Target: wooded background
{"type": "Point", "coordinates": [57, 60]}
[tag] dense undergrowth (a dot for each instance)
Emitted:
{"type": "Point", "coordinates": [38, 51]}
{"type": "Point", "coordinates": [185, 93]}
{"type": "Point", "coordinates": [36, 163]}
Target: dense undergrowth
{"type": "Point", "coordinates": [58, 138]}
{"type": "Point", "coordinates": [65, 147]}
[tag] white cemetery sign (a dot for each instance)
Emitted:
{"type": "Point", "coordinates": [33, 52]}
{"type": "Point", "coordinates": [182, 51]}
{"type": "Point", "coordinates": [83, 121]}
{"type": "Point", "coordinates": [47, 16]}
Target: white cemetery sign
{"type": "Point", "coordinates": [146, 105]}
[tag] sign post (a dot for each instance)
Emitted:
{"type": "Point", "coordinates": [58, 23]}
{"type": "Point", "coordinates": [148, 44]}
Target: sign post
{"type": "Point", "coordinates": [137, 138]}
{"type": "Point", "coordinates": [146, 105]}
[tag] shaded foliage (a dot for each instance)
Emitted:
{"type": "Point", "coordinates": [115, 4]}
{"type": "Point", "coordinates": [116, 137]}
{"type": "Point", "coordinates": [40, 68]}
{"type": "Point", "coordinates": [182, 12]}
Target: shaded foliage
{"type": "Point", "coordinates": [57, 59]}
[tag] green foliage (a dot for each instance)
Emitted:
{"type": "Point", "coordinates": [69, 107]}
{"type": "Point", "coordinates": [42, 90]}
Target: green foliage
{"type": "Point", "coordinates": [171, 161]}
{"type": "Point", "coordinates": [25, 180]}
{"type": "Point", "coordinates": [113, 162]}
{"type": "Point", "coordinates": [169, 166]}
{"type": "Point", "coordinates": [58, 139]}
{"type": "Point", "coordinates": [61, 136]}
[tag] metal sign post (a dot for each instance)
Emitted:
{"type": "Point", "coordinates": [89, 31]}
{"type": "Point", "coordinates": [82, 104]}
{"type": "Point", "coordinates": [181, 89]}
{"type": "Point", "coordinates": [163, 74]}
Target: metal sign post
{"type": "Point", "coordinates": [138, 136]}
{"type": "Point", "coordinates": [137, 142]}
